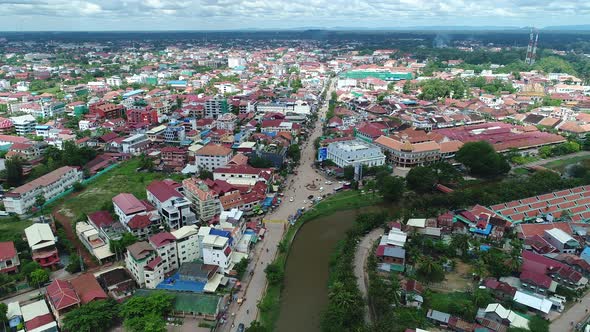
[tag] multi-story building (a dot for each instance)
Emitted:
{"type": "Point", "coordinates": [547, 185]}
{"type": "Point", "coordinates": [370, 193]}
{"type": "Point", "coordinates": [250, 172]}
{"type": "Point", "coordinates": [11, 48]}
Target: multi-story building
{"type": "Point", "coordinates": [205, 200]}
{"type": "Point", "coordinates": [42, 243]}
{"type": "Point", "coordinates": [49, 186]}
{"type": "Point", "coordinates": [215, 249]}
{"type": "Point", "coordinates": [406, 154]}
{"type": "Point", "coordinates": [9, 257]}
{"type": "Point", "coordinates": [173, 156]}
{"type": "Point", "coordinates": [165, 245]}
{"type": "Point", "coordinates": [212, 156]}
{"type": "Point", "coordinates": [187, 243]}
{"type": "Point", "coordinates": [91, 239]}
{"type": "Point", "coordinates": [106, 110]}
{"type": "Point", "coordinates": [114, 81]}
{"type": "Point", "coordinates": [135, 144]}
{"type": "Point", "coordinates": [24, 124]}
{"type": "Point", "coordinates": [174, 133]}
{"type": "Point", "coordinates": [355, 152]}
{"type": "Point", "coordinates": [242, 175]}
{"type": "Point", "coordinates": [146, 267]}
{"type": "Point", "coordinates": [126, 206]}
{"type": "Point", "coordinates": [138, 115]}
{"type": "Point", "coordinates": [215, 107]}
{"type": "Point", "coordinates": [227, 121]}
{"type": "Point", "coordinates": [170, 203]}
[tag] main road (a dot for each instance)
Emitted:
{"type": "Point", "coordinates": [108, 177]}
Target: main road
{"type": "Point", "coordinates": [276, 225]}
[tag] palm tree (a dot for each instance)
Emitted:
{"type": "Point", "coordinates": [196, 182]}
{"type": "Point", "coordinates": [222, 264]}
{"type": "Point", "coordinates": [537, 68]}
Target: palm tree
{"type": "Point", "coordinates": [394, 290]}
{"type": "Point", "coordinates": [461, 242]}
{"type": "Point", "coordinates": [479, 268]}
{"type": "Point", "coordinates": [340, 296]}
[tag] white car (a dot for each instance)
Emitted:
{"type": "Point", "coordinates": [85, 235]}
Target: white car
{"type": "Point", "coordinates": [321, 189]}
{"type": "Point", "coordinates": [291, 199]}
{"type": "Point", "coordinates": [328, 182]}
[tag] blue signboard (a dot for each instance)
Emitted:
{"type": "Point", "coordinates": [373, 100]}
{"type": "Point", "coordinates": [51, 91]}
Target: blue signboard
{"type": "Point", "coordinates": [322, 154]}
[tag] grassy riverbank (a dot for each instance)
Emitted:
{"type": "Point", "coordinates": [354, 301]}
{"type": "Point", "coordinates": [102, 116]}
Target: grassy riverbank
{"type": "Point", "coordinates": [348, 200]}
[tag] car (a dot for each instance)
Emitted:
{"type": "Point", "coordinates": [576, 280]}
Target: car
{"type": "Point", "coordinates": [321, 189]}
{"type": "Point", "coordinates": [310, 197]}
{"type": "Point", "coordinates": [328, 182]}
{"type": "Point", "coordinates": [291, 199]}
{"type": "Point", "coordinates": [241, 327]}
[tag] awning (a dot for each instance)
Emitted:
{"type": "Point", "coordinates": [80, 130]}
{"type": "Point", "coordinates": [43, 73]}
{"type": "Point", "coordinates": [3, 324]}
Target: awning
{"type": "Point", "coordinates": [213, 283]}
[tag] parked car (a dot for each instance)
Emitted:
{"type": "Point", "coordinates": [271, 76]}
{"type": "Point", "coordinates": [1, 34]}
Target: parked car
{"type": "Point", "coordinates": [240, 327]}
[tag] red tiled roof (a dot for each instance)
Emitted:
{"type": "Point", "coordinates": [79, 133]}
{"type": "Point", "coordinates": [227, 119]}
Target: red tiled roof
{"type": "Point", "coordinates": [87, 288]}
{"type": "Point", "coordinates": [101, 218]}
{"type": "Point", "coordinates": [39, 321]}
{"type": "Point", "coordinates": [139, 222]}
{"type": "Point", "coordinates": [536, 278]}
{"type": "Point", "coordinates": [538, 229]}
{"type": "Point", "coordinates": [128, 203]}
{"type": "Point", "coordinates": [7, 250]}
{"type": "Point", "coordinates": [163, 190]}
{"type": "Point", "coordinates": [154, 262]}
{"type": "Point", "coordinates": [61, 294]}
{"type": "Point", "coordinates": [160, 239]}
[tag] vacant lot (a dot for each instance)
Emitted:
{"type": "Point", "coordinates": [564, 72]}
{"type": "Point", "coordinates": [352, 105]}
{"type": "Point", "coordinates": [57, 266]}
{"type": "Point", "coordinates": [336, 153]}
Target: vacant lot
{"type": "Point", "coordinates": [560, 165]}
{"type": "Point", "coordinates": [10, 228]}
{"type": "Point", "coordinates": [457, 280]}
{"type": "Point", "coordinates": [98, 193]}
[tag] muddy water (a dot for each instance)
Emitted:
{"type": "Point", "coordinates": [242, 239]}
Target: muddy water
{"type": "Point", "coordinates": [305, 292]}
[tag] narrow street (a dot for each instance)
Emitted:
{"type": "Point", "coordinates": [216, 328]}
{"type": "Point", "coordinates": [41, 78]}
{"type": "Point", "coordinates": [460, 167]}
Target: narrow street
{"type": "Point", "coordinates": [276, 223]}
{"type": "Point", "coordinates": [360, 262]}
{"type": "Point", "coordinates": [575, 314]}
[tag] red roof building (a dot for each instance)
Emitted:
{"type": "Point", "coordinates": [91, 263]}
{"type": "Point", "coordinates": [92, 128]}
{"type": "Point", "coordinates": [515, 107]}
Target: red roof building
{"type": "Point", "coordinates": [8, 257]}
{"type": "Point", "coordinates": [88, 288]}
{"type": "Point", "coordinates": [61, 297]}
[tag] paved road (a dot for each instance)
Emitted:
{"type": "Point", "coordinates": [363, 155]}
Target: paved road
{"type": "Point", "coordinates": [266, 251]}
{"type": "Point", "coordinates": [575, 314]}
{"type": "Point", "coordinates": [360, 261]}
{"type": "Point", "coordinates": [548, 160]}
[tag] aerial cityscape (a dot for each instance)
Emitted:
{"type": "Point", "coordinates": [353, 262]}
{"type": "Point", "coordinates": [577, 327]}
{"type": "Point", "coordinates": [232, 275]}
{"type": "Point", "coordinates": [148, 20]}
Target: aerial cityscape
{"type": "Point", "coordinates": [311, 175]}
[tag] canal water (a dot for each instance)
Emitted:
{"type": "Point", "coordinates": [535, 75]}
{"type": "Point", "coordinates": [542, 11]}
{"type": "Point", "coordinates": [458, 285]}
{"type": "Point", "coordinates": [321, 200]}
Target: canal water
{"type": "Point", "coordinates": [305, 291]}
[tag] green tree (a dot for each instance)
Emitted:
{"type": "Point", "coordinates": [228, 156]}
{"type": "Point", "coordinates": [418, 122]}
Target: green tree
{"type": "Point", "coordinates": [294, 152]}
{"type": "Point", "coordinates": [119, 246]}
{"type": "Point", "coordinates": [14, 172]}
{"type": "Point", "coordinates": [39, 277]}
{"type": "Point", "coordinates": [482, 160]}
{"type": "Point", "coordinates": [241, 267]}
{"type": "Point", "coordinates": [538, 324]}
{"type": "Point", "coordinates": [348, 172]}
{"type": "Point", "coordinates": [421, 179]}
{"type": "Point", "coordinates": [146, 313]}
{"type": "Point", "coordinates": [94, 316]}
{"type": "Point", "coordinates": [391, 188]}
{"type": "Point", "coordinates": [74, 264]}
{"type": "Point", "coordinates": [205, 174]}
{"type": "Point", "coordinates": [430, 270]}
{"type": "Point", "coordinates": [258, 162]}
{"type": "Point", "coordinates": [460, 242]}
{"type": "Point", "coordinates": [274, 273]}
{"type": "Point", "coordinates": [3, 312]}
{"type": "Point", "coordinates": [256, 326]}
{"type": "Point", "coordinates": [39, 200]}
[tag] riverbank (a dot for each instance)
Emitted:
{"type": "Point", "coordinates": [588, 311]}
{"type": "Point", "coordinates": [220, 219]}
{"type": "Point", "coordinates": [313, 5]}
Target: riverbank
{"type": "Point", "coordinates": [348, 200]}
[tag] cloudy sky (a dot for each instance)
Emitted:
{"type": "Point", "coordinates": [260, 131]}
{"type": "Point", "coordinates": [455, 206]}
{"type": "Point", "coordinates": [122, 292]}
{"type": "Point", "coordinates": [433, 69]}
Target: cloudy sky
{"type": "Point", "coordinates": [21, 15]}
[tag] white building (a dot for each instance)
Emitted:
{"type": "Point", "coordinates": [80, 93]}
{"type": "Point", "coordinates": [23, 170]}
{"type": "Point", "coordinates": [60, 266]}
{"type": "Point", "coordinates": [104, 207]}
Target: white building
{"type": "Point", "coordinates": [135, 144]}
{"type": "Point", "coordinates": [114, 81]}
{"type": "Point", "coordinates": [49, 185]}
{"type": "Point", "coordinates": [24, 124]}
{"type": "Point", "coordinates": [243, 175]}
{"type": "Point", "coordinates": [146, 267]}
{"type": "Point", "coordinates": [215, 249]}
{"type": "Point", "coordinates": [37, 317]}
{"type": "Point", "coordinates": [87, 125]}
{"type": "Point", "coordinates": [171, 204]}
{"type": "Point", "coordinates": [165, 245]}
{"type": "Point", "coordinates": [90, 238]}
{"type": "Point", "coordinates": [350, 153]}
{"type": "Point", "coordinates": [235, 61]}
{"type": "Point", "coordinates": [561, 240]}
{"type": "Point", "coordinates": [227, 122]}
{"type": "Point", "coordinates": [212, 156]}
{"type": "Point", "coordinates": [187, 243]}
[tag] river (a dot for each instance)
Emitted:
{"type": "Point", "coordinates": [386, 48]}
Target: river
{"type": "Point", "coordinates": [305, 292]}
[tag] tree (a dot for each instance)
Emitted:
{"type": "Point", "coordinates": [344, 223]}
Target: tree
{"type": "Point", "coordinates": [146, 162]}
{"type": "Point", "coordinates": [14, 172]}
{"type": "Point", "coordinates": [274, 273]}
{"type": "Point", "coordinates": [482, 160]}
{"type": "Point", "coordinates": [538, 324]}
{"type": "Point", "coordinates": [39, 200]}
{"type": "Point", "coordinates": [430, 270]}
{"type": "Point", "coordinates": [460, 242]}
{"type": "Point", "coordinates": [39, 277]}
{"type": "Point", "coordinates": [258, 162]}
{"type": "Point", "coordinates": [294, 152]}
{"type": "Point", "coordinates": [241, 267]}
{"type": "Point", "coordinates": [119, 246]}
{"type": "Point", "coordinates": [3, 312]}
{"type": "Point", "coordinates": [94, 316]}
{"type": "Point", "coordinates": [348, 172]}
{"type": "Point", "coordinates": [74, 264]}
{"type": "Point", "coordinates": [421, 179]}
{"type": "Point", "coordinates": [146, 313]}
{"type": "Point", "coordinates": [391, 188]}
{"type": "Point", "coordinates": [256, 326]}
{"type": "Point", "coordinates": [205, 174]}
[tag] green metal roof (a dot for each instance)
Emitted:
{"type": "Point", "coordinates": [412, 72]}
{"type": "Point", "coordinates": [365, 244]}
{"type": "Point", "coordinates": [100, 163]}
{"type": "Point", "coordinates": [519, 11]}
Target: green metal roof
{"type": "Point", "coordinates": [383, 75]}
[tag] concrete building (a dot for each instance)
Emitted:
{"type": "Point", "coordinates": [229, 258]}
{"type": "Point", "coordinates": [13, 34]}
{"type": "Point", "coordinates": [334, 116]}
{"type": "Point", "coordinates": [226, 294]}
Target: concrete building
{"type": "Point", "coordinates": [38, 318]}
{"type": "Point", "coordinates": [42, 243]}
{"type": "Point", "coordinates": [561, 240]}
{"type": "Point", "coordinates": [244, 175]}
{"type": "Point", "coordinates": [165, 245]}
{"type": "Point", "coordinates": [205, 201]}
{"type": "Point", "coordinates": [215, 107]}
{"type": "Point", "coordinates": [135, 144]}
{"type": "Point", "coordinates": [187, 243]}
{"type": "Point", "coordinates": [146, 267]}
{"type": "Point", "coordinates": [91, 239]}
{"type": "Point", "coordinates": [21, 199]}
{"type": "Point", "coordinates": [215, 249]}
{"type": "Point", "coordinates": [24, 124]}
{"type": "Point", "coordinates": [171, 204]}
{"type": "Point", "coordinates": [406, 154]}
{"type": "Point", "coordinates": [212, 156]}
{"type": "Point", "coordinates": [350, 153]}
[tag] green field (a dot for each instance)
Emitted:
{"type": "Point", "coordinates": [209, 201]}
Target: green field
{"type": "Point", "coordinates": [9, 228]}
{"type": "Point", "coordinates": [560, 165]}
{"type": "Point", "coordinates": [348, 200]}
{"type": "Point", "coordinates": [98, 193]}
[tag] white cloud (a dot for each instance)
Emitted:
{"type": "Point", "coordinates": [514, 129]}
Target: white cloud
{"type": "Point", "coordinates": [232, 14]}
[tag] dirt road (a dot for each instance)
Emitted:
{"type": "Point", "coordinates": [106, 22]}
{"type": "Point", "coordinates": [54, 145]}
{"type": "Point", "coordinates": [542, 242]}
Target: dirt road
{"type": "Point", "coordinates": [360, 262]}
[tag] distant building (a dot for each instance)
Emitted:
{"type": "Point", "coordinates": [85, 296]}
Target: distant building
{"type": "Point", "coordinates": [24, 124]}
{"type": "Point", "coordinates": [49, 186]}
{"type": "Point", "coordinates": [212, 156]}
{"type": "Point", "coordinates": [215, 107]}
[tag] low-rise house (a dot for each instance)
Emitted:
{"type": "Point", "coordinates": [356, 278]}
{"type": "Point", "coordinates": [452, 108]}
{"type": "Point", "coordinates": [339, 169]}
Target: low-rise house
{"type": "Point", "coordinates": [87, 288]}
{"type": "Point", "coordinates": [91, 239]}
{"type": "Point", "coordinates": [62, 298]}
{"type": "Point", "coordinates": [38, 318]}
{"type": "Point", "coordinates": [9, 261]}
{"type": "Point", "coordinates": [413, 293]}
{"type": "Point", "coordinates": [500, 290]}
{"type": "Point", "coordinates": [498, 318]}
{"type": "Point", "coordinates": [21, 199]}
{"type": "Point", "coordinates": [391, 258]}
{"type": "Point", "coordinates": [135, 144]}
{"type": "Point", "coordinates": [242, 175]}
{"type": "Point", "coordinates": [533, 301]}
{"type": "Point", "coordinates": [42, 243]}
{"type": "Point", "coordinates": [561, 240]}
{"type": "Point", "coordinates": [438, 317]}
{"type": "Point", "coordinates": [137, 216]}
{"type": "Point", "coordinates": [14, 315]}
{"type": "Point", "coordinates": [117, 283]}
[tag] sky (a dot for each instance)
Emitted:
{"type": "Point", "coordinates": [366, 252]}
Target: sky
{"type": "Point", "coordinates": [98, 15]}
